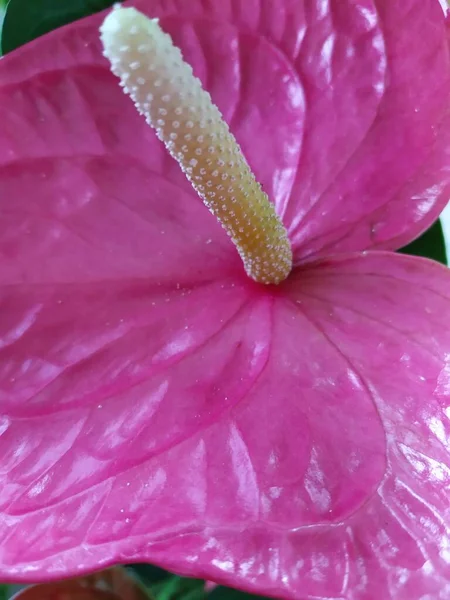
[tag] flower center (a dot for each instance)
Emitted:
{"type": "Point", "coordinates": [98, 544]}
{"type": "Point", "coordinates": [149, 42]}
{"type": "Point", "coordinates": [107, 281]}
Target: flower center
{"type": "Point", "coordinates": [164, 89]}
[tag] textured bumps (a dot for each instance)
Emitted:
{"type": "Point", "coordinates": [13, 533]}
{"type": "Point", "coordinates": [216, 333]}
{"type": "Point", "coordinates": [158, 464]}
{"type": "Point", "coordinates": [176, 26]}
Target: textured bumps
{"type": "Point", "coordinates": [164, 89]}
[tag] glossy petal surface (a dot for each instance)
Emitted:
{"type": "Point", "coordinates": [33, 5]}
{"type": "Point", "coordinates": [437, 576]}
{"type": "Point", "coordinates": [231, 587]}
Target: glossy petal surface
{"type": "Point", "coordinates": [156, 405]}
{"type": "Point", "coordinates": [322, 97]}
{"type": "Point", "coordinates": [368, 164]}
{"type": "Point", "coordinates": [314, 420]}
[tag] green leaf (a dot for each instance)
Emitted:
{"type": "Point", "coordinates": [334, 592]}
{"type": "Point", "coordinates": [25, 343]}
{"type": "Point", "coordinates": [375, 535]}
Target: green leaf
{"type": "Point", "coordinates": [149, 574]}
{"type": "Point", "coordinates": [165, 586]}
{"type": "Point", "coordinates": [26, 20]}
{"type": "Point", "coordinates": [179, 588]}
{"type": "Point", "coordinates": [430, 244]}
{"type": "Point", "coordinates": [3, 592]}
{"type": "Point", "coordinates": [223, 593]}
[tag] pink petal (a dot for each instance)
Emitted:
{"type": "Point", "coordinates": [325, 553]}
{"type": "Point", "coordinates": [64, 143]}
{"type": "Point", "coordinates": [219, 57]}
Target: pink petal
{"type": "Point", "coordinates": [152, 411]}
{"type": "Point", "coordinates": [88, 190]}
{"type": "Point", "coordinates": [374, 164]}
{"type": "Point", "coordinates": [293, 442]}
{"type": "Point", "coordinates": [90, 218]}
{"type": "Point", "coordinates": [366, 166]}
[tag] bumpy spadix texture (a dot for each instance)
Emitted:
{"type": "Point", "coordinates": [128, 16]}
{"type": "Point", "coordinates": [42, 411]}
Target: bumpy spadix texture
{"type": "Point", "coordinates": [165, 90]}
{"type": "Point", "coordinates": [158, 406]}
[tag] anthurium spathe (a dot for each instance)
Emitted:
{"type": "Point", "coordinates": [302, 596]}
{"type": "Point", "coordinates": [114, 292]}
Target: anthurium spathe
{"type": "Point", "coordinates": [158, 404]}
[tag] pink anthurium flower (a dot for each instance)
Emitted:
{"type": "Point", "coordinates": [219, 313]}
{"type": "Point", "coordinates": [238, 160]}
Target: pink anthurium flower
{"type": "Point", "coordinates": [159, 405]}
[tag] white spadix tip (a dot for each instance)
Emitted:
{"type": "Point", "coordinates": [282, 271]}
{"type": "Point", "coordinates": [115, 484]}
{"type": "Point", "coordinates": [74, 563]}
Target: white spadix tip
{"type": "Point", "coordinates": [121, 19]}
{"type": "Point", "coordinates": [152, 71]}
